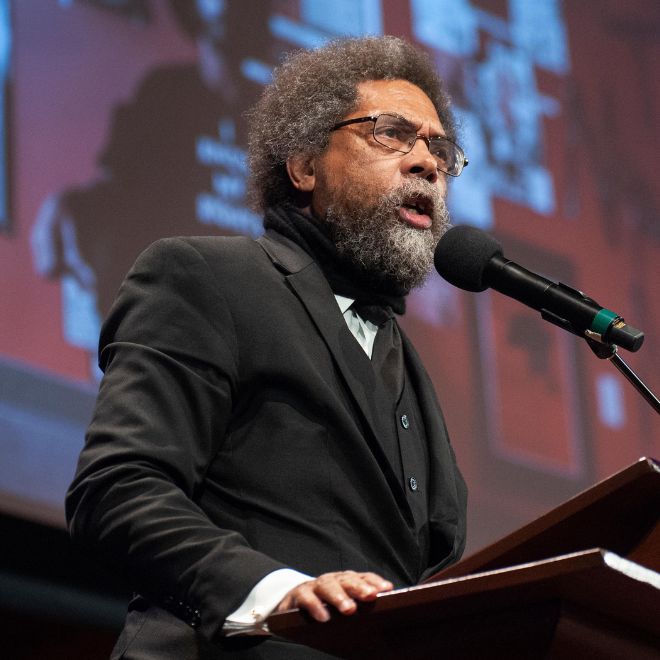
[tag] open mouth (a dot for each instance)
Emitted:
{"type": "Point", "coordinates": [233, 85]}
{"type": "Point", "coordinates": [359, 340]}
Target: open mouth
{"type": "Point", "coordinates": [417, 212]}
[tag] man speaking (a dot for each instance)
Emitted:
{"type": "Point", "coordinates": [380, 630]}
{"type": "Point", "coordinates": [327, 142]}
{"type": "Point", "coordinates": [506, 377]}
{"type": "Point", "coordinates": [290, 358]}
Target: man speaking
{"type": "Point", "coordinates": [265, 435]}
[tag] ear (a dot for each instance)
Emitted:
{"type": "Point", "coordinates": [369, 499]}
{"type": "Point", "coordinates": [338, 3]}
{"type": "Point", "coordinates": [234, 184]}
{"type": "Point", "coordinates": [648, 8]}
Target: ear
{"type": "Point", "coordinates": [300, 168]}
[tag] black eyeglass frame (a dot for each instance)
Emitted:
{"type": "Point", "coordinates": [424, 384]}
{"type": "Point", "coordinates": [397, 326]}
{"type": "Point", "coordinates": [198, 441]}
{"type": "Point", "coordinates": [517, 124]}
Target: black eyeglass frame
{"type": "Point", "coordinates": [428, 140]}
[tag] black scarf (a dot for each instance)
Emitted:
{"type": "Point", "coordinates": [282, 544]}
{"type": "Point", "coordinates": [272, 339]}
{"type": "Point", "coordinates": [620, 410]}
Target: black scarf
{"type": "Point", "coordinates": [344, 276]}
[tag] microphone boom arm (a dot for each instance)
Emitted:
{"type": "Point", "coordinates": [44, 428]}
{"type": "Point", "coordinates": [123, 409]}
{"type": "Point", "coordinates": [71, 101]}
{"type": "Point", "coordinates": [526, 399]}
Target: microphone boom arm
{"type": "Point", "coordinates": [609, 352]}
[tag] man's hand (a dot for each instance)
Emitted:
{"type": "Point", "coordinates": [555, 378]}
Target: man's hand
{"type": "Point", "coordinates": [341, 589]}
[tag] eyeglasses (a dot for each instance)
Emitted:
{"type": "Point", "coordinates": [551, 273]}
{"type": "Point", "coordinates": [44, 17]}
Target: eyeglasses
{"type": "Point", "coordinates": [399, 134]}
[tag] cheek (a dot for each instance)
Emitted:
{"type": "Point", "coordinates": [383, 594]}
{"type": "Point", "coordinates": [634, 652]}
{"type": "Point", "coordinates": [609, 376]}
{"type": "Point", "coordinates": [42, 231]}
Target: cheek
{"type": "Point", "coordinates": [442, 185]}
{"type": "Point", "coordinates": [358, 176]}
{"type": "Point", "coordinates": [372, 177]}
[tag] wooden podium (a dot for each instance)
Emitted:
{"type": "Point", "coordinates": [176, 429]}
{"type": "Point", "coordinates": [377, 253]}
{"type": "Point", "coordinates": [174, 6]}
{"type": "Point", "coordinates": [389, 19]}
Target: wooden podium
{"type": "Point", "coordinates": [582, 581]}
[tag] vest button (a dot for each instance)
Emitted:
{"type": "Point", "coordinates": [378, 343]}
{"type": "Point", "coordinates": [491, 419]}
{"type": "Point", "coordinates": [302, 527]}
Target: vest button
{"type": "Point", "coordinates": [405, 422]}
{"type": "Point", "coordinates": [412, 482]}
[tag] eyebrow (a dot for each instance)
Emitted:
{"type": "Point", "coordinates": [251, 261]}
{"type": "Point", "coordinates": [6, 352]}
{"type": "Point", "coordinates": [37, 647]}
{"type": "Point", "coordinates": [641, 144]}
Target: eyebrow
{"type": "Point", "coordinates": [412, 124]}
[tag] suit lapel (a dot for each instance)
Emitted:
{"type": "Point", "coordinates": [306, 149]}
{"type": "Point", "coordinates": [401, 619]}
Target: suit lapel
{"type": "Point", "coordinates": [310, 285]}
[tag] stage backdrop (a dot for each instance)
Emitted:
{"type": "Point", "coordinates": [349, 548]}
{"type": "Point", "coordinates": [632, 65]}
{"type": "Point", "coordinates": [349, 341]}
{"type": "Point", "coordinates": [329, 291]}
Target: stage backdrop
{"type": "Point", "coordinates": [121, 122]}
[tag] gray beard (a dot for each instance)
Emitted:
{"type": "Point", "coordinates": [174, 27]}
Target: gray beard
{"type": "Point", "coordinates": [378, 241]}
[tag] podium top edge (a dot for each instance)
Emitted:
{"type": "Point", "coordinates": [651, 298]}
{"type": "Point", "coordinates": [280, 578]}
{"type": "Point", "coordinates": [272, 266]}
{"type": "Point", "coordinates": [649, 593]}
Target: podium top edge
{"type": "Point", "coordinates": [641, 478]}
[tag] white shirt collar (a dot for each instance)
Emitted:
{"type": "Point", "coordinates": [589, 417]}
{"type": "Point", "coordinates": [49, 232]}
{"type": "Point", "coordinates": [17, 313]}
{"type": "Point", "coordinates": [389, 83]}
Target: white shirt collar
{"type": "Point", "coordinates": [344, 302]}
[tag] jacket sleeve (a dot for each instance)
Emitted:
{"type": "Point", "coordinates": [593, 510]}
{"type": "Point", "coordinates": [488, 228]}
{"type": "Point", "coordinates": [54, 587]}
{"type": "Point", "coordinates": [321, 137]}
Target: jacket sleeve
{"type": "Point", "coordinates": [169, 353]}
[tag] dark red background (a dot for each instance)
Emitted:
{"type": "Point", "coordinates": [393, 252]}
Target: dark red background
{"type": "Point", "coordinates": [522, 408]}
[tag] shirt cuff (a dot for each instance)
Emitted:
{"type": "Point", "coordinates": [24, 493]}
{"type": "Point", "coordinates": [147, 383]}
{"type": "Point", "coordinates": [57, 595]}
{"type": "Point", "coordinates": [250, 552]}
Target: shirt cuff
{"type": "Point", "coordinates": [250, 617]}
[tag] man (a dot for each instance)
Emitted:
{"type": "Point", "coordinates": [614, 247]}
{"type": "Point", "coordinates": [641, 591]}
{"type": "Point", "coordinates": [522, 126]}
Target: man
{"type": "Point", "coordinates": [265, 436]}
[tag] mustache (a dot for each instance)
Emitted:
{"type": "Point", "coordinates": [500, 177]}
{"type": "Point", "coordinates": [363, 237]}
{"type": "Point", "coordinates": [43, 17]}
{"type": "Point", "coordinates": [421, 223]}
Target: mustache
{"type": "Point", "coordinates": [420, 192]}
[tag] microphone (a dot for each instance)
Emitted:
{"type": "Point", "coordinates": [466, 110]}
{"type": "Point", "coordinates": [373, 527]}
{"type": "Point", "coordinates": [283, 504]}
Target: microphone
{"type": "Point", "coordinates": [472, 260]}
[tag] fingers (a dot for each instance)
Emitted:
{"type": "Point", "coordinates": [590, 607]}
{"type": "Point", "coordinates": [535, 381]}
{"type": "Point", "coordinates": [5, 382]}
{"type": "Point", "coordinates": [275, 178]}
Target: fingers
{"type": "Point", "coordinates": [377, 581]}
{"type": "Point", "coordinates": [341, 590]}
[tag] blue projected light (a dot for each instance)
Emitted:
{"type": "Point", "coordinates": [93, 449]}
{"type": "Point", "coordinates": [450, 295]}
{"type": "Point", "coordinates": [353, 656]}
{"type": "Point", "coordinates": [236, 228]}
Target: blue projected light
{"type": "Point", "coordinates": [81, 322]}
{"type": "Point", "coordinates": [503, 117]}
{"type": "Point", "coordinates": [511, 111]}
{"type": "Point", "coordinates": [611, 402]}
{"type": "Point", "coordinates": [538, 29]}
{"type": "Point", "coordinates": [321, 22]}
{"type": "Point", "coordinates": [5, 63]}
{"type": "Point", "coordinates": [257, 71]}
{"type": "Point", "coordinates": [223, 206]}
{"type": "Point", "coordinates": [296, 33]}
{"type": "Point", "coordinates": [470, 195]}
{"type": "Point", "coordinates": [431, 26]}
{"type": "Point", "coordinates": [344, 17]}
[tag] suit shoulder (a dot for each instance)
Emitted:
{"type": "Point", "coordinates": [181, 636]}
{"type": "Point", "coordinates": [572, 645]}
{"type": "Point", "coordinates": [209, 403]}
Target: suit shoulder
{"type": "Point", "coordinates": [227, 246]}
{"type": "Point", "coordinates": [214, 250]}
{"type": "Point", "coordinates": [216, 244]}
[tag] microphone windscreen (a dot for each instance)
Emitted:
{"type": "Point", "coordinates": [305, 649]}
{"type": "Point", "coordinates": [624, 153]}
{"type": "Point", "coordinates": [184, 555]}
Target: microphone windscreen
{"type": "Point", "coordinates": [462, 255]}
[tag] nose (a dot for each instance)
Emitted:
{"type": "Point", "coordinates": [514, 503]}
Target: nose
{"type": "Point", "coordinates": [420, 162]}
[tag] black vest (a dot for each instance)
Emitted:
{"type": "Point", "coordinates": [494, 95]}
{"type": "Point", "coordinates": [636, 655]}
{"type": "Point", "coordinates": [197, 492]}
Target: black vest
{"type": "Point", "coordinates": [399, 423]}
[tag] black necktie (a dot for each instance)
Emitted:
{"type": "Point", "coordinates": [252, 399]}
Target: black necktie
{"type": "Point", "coordinates": [387, 355]}
{"type": "Point", "coordinates": [387, 358]}
{"type": "Point", "coordinates": [377, 314]}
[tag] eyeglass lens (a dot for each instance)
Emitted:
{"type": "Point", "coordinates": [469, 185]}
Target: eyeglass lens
{"type": "Point", "coordinates": [400, 135]}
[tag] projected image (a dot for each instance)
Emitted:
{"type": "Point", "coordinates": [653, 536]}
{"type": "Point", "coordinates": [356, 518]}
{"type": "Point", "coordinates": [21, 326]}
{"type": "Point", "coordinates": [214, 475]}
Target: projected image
{"type": "Point", "coordinates": [173, 163]}
{"type": "Point", "coordinates": [123, 122]}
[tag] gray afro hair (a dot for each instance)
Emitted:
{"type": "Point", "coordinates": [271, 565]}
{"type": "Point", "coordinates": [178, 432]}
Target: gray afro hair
{"type": "Point", "coordinates": [313, 90]}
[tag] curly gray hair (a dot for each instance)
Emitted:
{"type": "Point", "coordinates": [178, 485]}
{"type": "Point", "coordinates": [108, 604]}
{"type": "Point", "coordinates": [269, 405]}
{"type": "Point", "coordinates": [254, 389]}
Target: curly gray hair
{"type": "Point", "coordinates": [313, 90]}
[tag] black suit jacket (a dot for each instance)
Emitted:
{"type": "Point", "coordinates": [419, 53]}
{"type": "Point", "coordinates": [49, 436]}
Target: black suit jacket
{"type": "Point", "coordinates": [232, 438]}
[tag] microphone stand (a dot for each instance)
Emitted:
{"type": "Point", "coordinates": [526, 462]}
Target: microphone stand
{"type": "Point", "coordinates": [609, 352]}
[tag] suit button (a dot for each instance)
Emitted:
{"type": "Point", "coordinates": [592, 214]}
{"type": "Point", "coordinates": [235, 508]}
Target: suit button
{"type": "Point", "coordinates": [412, 482]}
{"type": "Point", "coordinates": [405, 422]}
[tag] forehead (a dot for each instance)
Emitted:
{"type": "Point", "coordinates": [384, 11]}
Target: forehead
{"type": "Point", "coordinates": [400, 97]}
